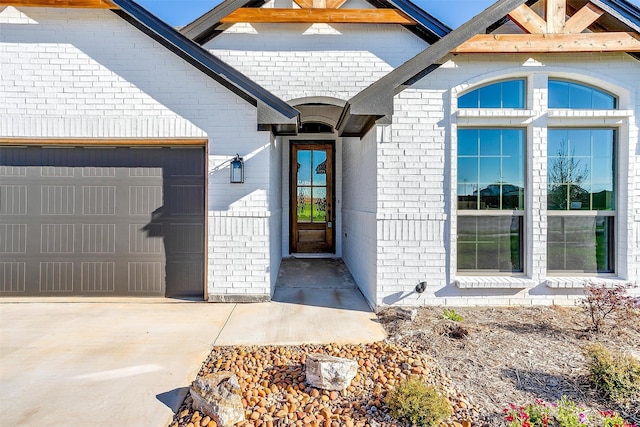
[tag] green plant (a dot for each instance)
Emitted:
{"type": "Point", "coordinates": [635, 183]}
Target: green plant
{"type": "Point", "coordinates": [532, 415]}
{"type": "Point", "coordinates": [569, 414]}
{"type": "Point", "coordinates": [420, 404]}
{"type": "Point", "coordinates": [450, 314]}
{"type": "Point", "coordinates": [611, 419]}
{"type": "Point", "coordinates": [617, 375]}
{"type": "Point", "coordinates": [562, 413]}
{"type": "Point", "coordinates": [611, 305]}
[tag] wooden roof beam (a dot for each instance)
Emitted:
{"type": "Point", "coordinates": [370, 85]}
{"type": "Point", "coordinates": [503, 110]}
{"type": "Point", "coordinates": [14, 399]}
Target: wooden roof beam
{"type": "Point", "coordinates": [524, 17]}
{"type": "Point", "coordinates": [312, 16]}
{"type": "Point", "coordinates": [556, 16]}
{"type": "Point", "coordinates": [88, 4]}
{"type": "Point", "coordinates": [549, 43]}
{"type": "Point", "coordinates": [580, 20]}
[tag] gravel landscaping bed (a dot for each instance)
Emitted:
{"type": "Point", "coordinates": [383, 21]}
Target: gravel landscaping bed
{"type": "Point", "coordinates": [494, 357]}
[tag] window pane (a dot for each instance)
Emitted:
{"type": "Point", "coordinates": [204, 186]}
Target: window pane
{"type": "Point", "coordinates": [513, 94]}
{"type": "Point", "coordinates": [469, 100]}
{"type": "Point", "coordinates": [467, 142]}
{"type": "Point", "coordinates": [319, 167]}
{"type": "Point", "coordinates": [319, 204]}
{"type": "Point", "coordinates": [490, 243]}
{"type": "Point", "coordinates": [304, 204]}
{"type": "Point", "coordinates": [603, 101]}
{"type": "Point", "coordinates": [557, 142]}
{"type": "Point", "coordinates": [581, 244]}
{"type": "Point", "coordinates": [558, 94]}
{"type": "Point", "coordinates": [579, 196]}
{"type": "Point", "coordinates": [564, 94]}
{"type": "Point", "coordinates": [558, 197]}
{"type": "Point", "coordinates": [467, 182]}
{"type": "Point", "coordinates": [490, 196]}
{"type": "Point", "coordinates": [304, 167]}
{"type": "Point", "coordinates": [602, 142]}
{"type": "Point", "coordinates": [579, 97]}
{"type": "Point", "coordinates": [489, 171]}
{"type": "Point", "coordinates": [490, 96]}
{"type": "Point", "coordinates": [602, 198]}
{"type": "Point", "coordinates": [579, 141]}
{"type": "Point", "coordinates": [489, 142]}
{"type": "Point", "coordinates": [512, 197]}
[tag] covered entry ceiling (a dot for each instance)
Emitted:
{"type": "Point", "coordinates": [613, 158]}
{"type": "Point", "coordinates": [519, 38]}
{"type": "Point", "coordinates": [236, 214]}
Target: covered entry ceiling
{"type": "Point", "coordinates": [101, 221]}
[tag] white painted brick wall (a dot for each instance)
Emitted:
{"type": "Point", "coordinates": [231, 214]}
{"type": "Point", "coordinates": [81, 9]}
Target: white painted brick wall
{"type": "Point", "coordinates": [359, 239]}
{"type": "Point", "coordinates": [306, 60]}
{"type": "Point", "coordinates": [69, 73]}
{"type": "Point", "coordinates": [417, 190]}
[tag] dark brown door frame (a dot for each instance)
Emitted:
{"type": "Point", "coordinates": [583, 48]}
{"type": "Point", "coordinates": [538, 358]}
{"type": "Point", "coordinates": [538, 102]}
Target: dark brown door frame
{"type": "Point", "coordinates": [295, 145]}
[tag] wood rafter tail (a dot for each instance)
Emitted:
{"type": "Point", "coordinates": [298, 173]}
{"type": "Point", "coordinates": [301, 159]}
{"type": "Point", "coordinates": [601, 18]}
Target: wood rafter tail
{"type": "Point", "coordinates": [551, 43]}
{"type": "Point", "coordinates": [85, 4]}
{"type": "Point", "coordinates": [311, 16]}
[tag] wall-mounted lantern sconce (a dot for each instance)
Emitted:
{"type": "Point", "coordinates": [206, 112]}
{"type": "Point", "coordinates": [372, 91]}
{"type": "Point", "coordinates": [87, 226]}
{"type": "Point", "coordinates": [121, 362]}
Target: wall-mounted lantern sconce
{"type": "Point", "coordinates": [237, 170]}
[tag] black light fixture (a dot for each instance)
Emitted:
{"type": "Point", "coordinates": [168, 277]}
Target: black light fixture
{"type": "Point", "coordinates": [237, 170]}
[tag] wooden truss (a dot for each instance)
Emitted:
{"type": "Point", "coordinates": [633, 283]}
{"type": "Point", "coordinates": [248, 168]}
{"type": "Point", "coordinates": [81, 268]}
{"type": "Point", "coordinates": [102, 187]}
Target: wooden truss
{"type": "Point", "coordinates": [553, 34]}
{"type": "Point", "coordinates": [316, 15]}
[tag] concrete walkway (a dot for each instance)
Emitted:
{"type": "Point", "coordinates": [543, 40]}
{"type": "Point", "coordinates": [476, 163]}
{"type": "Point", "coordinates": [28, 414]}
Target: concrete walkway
{"type": "Point", "coordinates": [129, 362]}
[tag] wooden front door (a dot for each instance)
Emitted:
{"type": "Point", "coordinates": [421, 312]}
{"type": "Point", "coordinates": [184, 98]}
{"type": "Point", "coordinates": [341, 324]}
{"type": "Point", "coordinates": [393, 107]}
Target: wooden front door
{"type": "Point", "coordinates": [312, 213]}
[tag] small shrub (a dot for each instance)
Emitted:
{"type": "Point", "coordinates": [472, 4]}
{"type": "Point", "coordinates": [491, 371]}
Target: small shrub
{"type": "Point", "coordinates": [450, 314]}
{"type": "Point", "coordinates": [604, 304]}
{"type": "Point", "coordinates": [617, 375]}
{"type": "Point", "coordinates": [419, 404]}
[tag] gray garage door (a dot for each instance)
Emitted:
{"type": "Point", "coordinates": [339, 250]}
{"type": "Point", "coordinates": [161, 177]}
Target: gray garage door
{"type": "Point", "coordinates": [101, 221]}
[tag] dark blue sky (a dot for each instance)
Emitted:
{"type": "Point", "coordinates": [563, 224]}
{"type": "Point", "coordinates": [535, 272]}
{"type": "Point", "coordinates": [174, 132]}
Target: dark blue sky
{"type": "Point", "coordinates": [451, 12]}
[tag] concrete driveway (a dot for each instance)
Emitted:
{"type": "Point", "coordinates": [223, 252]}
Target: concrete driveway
{"type": "Point", "coordinates": [130, 362]}
{"type": "Point", "coordinates": [101, 364]}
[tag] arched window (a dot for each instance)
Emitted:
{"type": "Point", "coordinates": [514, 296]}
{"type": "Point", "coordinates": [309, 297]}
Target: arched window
{"type": "Point", "coordinates": [315, 127]}
{"type": "Point", "coordinates": [565, 94]}
{"type": "Point", "coordinates": [503, 94]}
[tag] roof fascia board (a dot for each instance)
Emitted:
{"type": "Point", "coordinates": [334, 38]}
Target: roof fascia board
{"type": "Point", "coordinates": [428, 22]}
{"type": "Point", "coordinates": [623, 11]}
{"type": "Point", "coordinates": [375, 99]}
{"type": "Point", "coordinates": [202, 29]}
{"type": "Point", "coordinates": [223, 73]}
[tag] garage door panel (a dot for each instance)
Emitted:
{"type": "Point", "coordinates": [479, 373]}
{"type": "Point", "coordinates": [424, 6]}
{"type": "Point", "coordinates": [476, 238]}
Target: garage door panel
{"type": "Point", "coordinates": [13, 277]}
{"type": "Point", "coordinates": [13, 200]}
{"type": "Point", "coordinates": [99, 200]}
{"type": "Point", "coordinates": [101, 221]}
{"type": "Point", "coordinates": [57, 200]}
{"type": "Point", "coordinates": [146, 239]}
{"type": "Point", "coordinates": [56, 277]}
{"type": "Point", "coordinates": [13, 238]}
{"type": "Point", "coordinates": [57, 238]}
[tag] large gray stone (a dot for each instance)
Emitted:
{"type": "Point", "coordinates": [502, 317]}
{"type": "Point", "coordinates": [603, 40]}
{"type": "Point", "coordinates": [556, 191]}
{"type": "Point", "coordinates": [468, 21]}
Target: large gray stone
{"type": "Point", "coordinates": [218, 396]}
{"type": "Point", "coordinates": [329, 372]}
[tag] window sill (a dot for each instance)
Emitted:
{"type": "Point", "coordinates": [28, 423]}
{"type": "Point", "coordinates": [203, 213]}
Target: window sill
{"type": "Point", "coordinates": [493, 282]}
{"type": "Point", "coordinates": [568, 113]}
{"type": "Point", "coordinates": [579, 282]}
{"type": "Point", "coordinates": [493, 112]}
